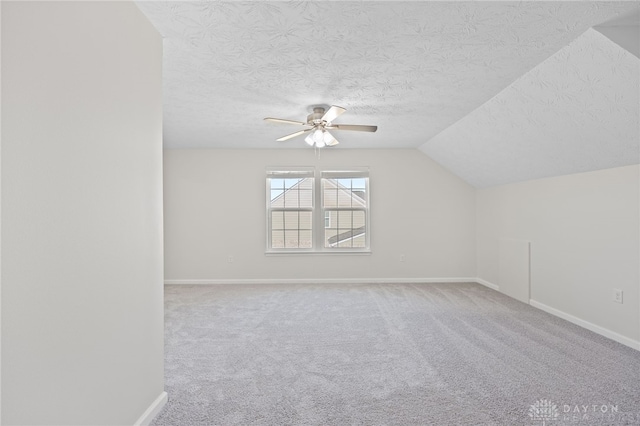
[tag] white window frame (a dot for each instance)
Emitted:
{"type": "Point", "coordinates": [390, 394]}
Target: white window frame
{"type": "Point", "coordinates": [290, 173]}
{"type": "Point", "coordinates": [359, 173]}
{"type": "Point", "coordinates": [319, 210]}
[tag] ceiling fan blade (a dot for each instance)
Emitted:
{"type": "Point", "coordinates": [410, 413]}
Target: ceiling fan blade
{"type": "Point", "coordinates": [332, 113]}
{"type": "Point", "coordinates": [282, 120]}
{"type": "Point", "coordinates": [331, 142]}
{"type": "Point", "coordinates": [293, 135]}
{"type": "Point", "coordinates": [356, 127]}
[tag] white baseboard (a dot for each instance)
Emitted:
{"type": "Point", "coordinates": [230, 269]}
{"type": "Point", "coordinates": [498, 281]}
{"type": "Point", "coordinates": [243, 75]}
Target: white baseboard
{"type": "Point", "coordinates": [147, 417]}
{"type": "Point", "coordinates": [323, 281]}
{"type": "Point", "coordinates": [488, 284]}
{"type": "Point", "coordinates": [586, 324]}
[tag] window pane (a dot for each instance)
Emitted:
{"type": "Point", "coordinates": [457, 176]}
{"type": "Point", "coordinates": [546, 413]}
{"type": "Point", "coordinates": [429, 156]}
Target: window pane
{"type": "Point", "coordinates": [275, 195]}
{"type": "Point", "coordinates": [331, 197]}
{"type": "Point", "coordinates": [333, 219]}
{"type": "Point", "coordinates": [359, 218]}
{"type": "Point", "coordinates": [360, 241]}
{"type": "Point", "coordinates": [290, 183]}
{"type": "Point", "coordinates": [344, 183]}
{"type": "Point", "coordinates": [347, 229]}
{"type": "Point", "coordinates": [277, 183]}
{"type": "Point", "coordinates": [344, 219]}
{"type": "Point", "coordinates": [345, 198]}
{"type": "Point", "coordinates": [306, 240]}
{"type": "Point", "coordinates": [305, 219]}
{"type": "Point", "coordinates": [359, 197]}
{"type": "Point", "coordinates": [277, 239]}
{"type": "Point", "coordinates": [290, 199]}
{"type": "Point", "coordinates": [306, 183]}
{"type": "Point", "coordinates": [291, 239]}
{"type": "Point", "coordinates": [277, 220]}
{"type": "Point", "coordinates": [358, 184]}
{"type": "Point", "coordinates": [345, 242]}
{"type": "Point", "coordinates": [291, 229]}
{"type": "Point", "coordinates": [306, 198]}
{"type": "Point", "coordinates": [329, 194]}
{"type": "Point", "coordinates": [344, 192]}
{"type": "Point", "coordinates": [291, 220]}
{"type": "Point", "coordinates": [330, 239]}
{"type": "Point", "coordinates": [298, 239]}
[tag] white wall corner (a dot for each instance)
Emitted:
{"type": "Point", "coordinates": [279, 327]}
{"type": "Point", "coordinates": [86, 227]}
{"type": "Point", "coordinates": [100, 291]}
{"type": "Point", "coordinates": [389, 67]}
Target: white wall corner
{"type": "Point", "coordinates": [488, 284]}
{"type": "Point", "coordinates": [154, 409]}
{"type": "Point", "coordinates": [635, 344]}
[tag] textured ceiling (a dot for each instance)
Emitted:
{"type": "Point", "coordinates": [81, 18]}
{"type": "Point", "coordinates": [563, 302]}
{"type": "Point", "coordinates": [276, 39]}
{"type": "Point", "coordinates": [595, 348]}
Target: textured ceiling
{"type": "Point", "coordinates": [497, 92]}
{"type": "Point", "coordinates": [575, 112]}
{"type": "Point", "coordinates": [412, 68]}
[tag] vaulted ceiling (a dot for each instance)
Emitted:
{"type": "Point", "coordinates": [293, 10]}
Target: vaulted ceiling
{"type": "Point", "coordinates": [495, 91]}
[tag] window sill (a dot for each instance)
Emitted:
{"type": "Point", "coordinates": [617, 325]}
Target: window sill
{"type": "Point", "coordinates": [318, 252]}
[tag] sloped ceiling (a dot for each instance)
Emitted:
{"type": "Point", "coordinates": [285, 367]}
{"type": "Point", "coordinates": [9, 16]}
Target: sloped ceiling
{"type": "Point", "coordinates": [412, 68]}
{"type": "Point", "coordinates": [624, 30]}
{"type": "Point", "coordinates": [577, 111]}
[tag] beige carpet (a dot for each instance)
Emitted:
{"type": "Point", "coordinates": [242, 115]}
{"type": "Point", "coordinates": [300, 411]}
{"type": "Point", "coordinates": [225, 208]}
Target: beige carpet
{"type": "Point", "coordinates": [402, 354]}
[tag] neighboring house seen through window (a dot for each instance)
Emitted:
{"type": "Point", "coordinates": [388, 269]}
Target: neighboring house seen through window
{"type": "Point", "coordinates": [328, 213]}
{"type": "Point", "coordinates": [290, 209]}
{"type": "Point", "coordinates": [344, 199]}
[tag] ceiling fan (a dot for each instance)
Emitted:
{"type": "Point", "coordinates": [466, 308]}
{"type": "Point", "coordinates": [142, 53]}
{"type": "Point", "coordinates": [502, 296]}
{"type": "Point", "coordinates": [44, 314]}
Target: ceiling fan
{"type": "Point", "coordinates": [319, 122]}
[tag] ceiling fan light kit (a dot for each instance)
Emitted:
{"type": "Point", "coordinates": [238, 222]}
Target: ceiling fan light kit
{"type": "Point", "coordinates": [318, 123]}
{"type": "Point", "coordinates": [320, 138]}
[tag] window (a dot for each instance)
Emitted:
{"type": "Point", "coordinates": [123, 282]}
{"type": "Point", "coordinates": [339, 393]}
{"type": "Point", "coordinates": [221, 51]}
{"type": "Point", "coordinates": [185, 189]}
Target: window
{"type": "Point", "coordinates": [344, 200]}
{"type": "Point", "coordinates": [290, 209]}
{"type": "Point", "coordinates": [310, 214]}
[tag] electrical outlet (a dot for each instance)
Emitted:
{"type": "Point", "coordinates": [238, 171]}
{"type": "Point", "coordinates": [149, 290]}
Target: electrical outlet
{"type": "Point", "coordinates": [402, 258]}
{"type": "Point", "coordinates": [230, 259]}
{"type": "Point", "coordinates": [617, 295]}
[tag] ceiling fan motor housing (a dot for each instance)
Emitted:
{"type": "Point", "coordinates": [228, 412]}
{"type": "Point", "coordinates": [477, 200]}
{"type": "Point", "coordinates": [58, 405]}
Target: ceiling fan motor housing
{"type": "Point", "coordinates": [315, 117]}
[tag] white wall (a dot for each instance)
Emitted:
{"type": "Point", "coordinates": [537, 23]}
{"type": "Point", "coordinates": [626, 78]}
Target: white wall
{"type": "Point", "coordinates": [82, 314]}
{"type": "Point", "coordinates": [215, 208]}
{"type": "Point", "coordinates": [0, 217]}
{"type": "Point", "coordinates": [584, 232]}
